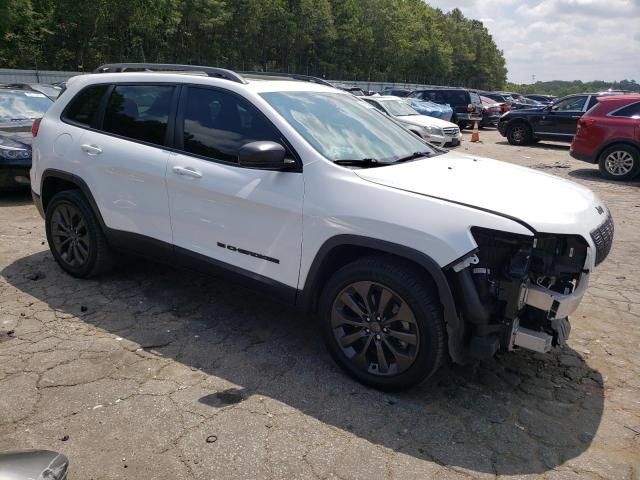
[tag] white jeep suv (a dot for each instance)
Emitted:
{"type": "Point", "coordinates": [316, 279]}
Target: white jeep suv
{"type": "Point", "coordinates": [409, 254]}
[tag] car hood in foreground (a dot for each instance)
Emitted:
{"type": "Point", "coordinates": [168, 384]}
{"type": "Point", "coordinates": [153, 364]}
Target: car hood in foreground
{"type": "Point", "coordinates": [544, 202]}
{"type": "Point", "coordinates": [17, 131]}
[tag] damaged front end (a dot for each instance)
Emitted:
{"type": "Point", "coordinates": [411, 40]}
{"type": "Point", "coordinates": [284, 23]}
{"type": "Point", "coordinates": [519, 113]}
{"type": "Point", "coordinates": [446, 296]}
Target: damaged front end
{"type": "Point", "coordinates": [518, 291]}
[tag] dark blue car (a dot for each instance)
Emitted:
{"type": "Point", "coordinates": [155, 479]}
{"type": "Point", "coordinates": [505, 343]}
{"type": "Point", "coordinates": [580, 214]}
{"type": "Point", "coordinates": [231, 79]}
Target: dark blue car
{"type": "Point", "coordinates": [18, 109]}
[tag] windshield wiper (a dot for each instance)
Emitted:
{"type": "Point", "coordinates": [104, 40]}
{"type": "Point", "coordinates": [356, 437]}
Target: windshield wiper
{"type": "Point", "coordinates": [360, 162]}
{"type": "Point", "coordinates": [413, 156]}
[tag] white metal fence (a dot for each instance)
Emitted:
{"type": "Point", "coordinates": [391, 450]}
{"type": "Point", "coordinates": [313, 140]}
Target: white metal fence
{"type": "Point", "coordinates": [49, 76]}
{"type": "Point", "coordinates": [34, 76]}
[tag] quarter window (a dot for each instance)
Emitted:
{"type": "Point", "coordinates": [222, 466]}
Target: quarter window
{"type": "Point", "coordinates": [630, 111]}
{"type": "Point", "coordinates": [84, 106]}
{"type": "Point", "coordinates": [139, 112]}
{"type": "Point", "coordinates": [217, 124]}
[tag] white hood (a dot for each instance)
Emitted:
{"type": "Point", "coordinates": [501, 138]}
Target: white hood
{"type": "Point", "coordinates": [545, 202]}
{"type": "Point", "coordinates": [425, 121]}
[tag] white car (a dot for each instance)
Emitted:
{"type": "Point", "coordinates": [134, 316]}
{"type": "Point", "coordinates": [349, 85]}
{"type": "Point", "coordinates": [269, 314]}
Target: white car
{"type": "Point", "coordinates": [434, 130]}
{"type": "Point", "coordinates": [408, 254]}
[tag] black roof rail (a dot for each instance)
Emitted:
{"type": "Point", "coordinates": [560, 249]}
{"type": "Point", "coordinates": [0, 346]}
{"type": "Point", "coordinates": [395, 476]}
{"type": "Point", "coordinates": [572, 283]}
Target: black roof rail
{"type": "Point", "coordinates": [151, 67]}
{"type": "Point", "coordinates": [294, 76]}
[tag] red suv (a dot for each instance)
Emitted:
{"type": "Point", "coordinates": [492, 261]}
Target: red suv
{"type": "Point", "coordinates": [609, 135]}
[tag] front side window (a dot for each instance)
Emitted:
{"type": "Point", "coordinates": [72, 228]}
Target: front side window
{"type": "Point", "coordinates": [630, 111]}
{"type": "Point", "coordinates": [139, 112]}
{"type": "Point", "coordinates": [84, 106]}
{"type": "Point", "coordinates": [341, 127]}
{"type": "Point", "coordinates": [573, 104]}
{"type": "Point", "coordinates": [217, 124]}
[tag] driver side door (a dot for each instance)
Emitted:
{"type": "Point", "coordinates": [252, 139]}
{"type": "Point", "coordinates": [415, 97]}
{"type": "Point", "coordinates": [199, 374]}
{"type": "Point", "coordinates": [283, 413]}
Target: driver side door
{"type": "Point", "coordinates": [244, 220]}
{"type": "Point", "coordinates": [561, 120]}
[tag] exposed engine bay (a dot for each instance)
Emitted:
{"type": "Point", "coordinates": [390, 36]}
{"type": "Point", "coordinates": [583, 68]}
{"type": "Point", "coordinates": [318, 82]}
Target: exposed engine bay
{"type": "Point", "coordinates": [518, 291]}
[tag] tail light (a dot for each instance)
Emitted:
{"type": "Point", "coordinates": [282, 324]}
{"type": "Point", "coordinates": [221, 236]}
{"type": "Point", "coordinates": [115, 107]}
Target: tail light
{"type": "Point", "coordinates": [35, 127]}
{"type": "Point", "coordinates": [585, 122]}
{"type": "Point", "coordinates": [469, 108]}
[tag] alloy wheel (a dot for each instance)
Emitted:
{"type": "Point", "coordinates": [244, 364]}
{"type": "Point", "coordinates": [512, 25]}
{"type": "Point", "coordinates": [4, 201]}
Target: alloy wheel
{"type": "Point", "coordinates": [70, 235]}
{"type": "Point", "coordinates": [518, 134]}
{"type": "Point", "coordinates": [375, 328]}
{"type": "Point", "coordinates": [619, 162]}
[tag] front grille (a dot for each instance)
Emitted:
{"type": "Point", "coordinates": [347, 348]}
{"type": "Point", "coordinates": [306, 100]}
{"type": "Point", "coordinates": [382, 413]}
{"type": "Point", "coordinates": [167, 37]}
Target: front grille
{"type": "Point", "coordinates": [603, 238]}
{"type": "Point", "coordinates": [451, 131]}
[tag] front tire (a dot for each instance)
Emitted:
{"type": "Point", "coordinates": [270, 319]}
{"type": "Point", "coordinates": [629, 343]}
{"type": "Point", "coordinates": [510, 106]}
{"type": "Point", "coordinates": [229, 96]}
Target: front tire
{"type": "Point", "coordinates": [619, 162]}
{"type": "Point", "coordinates": [382, 323]}
{"type": "Point", "coordinates": [519, 134]}
{"type": "Point", "coordinates": [75, 237]}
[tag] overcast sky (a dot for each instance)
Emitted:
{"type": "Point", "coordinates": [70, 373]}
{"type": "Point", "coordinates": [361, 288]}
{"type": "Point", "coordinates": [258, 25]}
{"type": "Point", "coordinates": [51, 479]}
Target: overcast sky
{"type": "Point", "coordinates": [561, 39]}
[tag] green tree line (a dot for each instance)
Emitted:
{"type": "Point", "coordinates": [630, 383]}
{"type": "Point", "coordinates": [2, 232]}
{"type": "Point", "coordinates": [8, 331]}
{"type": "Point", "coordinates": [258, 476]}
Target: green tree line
{"type": "Point", "coordinates": [371, 40]}
{"type": "Point", "coordinates": [560, 87]}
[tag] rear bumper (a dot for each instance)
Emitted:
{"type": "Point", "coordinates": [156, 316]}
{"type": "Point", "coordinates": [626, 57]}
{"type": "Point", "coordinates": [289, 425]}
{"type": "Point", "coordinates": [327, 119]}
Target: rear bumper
{"type": "Point", "coordinates": [471, 117]}
{"type": "Point", "coordinates": [584, 157]}
{"type": "Point", "coordinates": [37, 201]}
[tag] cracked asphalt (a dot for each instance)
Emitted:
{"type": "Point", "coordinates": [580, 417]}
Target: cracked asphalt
{"type": "Point", "coordinates": [156, 373]}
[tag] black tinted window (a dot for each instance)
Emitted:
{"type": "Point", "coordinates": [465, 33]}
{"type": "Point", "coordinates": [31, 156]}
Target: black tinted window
{"type": "Point", "coordinates": [457, 98]}
{"type": "Point", "coordinates": [84, 106]}
{"type": "Point", "coordinates": [632, 110]}
{"type": "Point", "coordinates": [218, 124]}
{"type": "Point", "coordinates": [140, 112]}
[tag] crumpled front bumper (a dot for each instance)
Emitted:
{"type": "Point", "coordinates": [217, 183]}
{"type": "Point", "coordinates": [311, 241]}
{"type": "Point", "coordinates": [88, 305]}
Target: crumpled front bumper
{"type": "Point", "coordinates": [557, 305]}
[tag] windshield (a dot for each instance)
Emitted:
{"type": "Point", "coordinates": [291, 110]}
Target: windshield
{"type": "Point", "coordinates": [342, 127]}
{"type": "Point", "coordinates": [22, 105]}
{"type": "Point", "coordinates": [398, 108]}
{"type": "Point", "coordinates": [48, 90]}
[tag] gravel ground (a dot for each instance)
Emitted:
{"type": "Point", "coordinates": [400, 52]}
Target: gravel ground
{"type": "Point", "coordinates": [153, 373]}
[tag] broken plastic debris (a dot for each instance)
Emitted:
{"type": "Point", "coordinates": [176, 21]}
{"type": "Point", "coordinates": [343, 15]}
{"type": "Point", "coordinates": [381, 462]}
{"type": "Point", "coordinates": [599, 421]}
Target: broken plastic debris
{"type": "Point", "coordinates": [96, 407]}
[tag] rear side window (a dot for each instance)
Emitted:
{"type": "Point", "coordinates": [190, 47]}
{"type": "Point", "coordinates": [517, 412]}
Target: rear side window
{"type": "Point", "coordinates": [217, 124]}
{"type": "Point", "coordinates": [139, 112]}
{"type": "Point", "coordinates": [630, 111]}
{"type": "Point", "coordinates": [82, 109]}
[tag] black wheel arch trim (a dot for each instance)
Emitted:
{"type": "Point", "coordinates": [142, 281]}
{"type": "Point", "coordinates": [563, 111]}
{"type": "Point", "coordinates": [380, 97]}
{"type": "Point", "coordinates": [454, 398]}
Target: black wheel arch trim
{"type": "Point", "coordinates": [308, 295]}
{"type": "Point", "coordinates": [618, 141]}
{"type": "Point", "coordinates": [76, 180]}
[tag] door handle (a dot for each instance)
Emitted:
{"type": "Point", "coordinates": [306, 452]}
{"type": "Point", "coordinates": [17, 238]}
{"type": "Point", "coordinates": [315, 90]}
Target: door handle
{"type": "Point", "coordinates": [187, 171]}
{"type": "Point", "coordinates": [576, 116]}
{"type": "Point", "coordinates": [91, 149]}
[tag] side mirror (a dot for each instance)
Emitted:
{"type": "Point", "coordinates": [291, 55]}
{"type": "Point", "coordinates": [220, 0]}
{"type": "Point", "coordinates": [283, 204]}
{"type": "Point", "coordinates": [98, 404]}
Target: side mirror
{"type": "Point", "coordinates": [30, 464]}
{"type": "Point", "coordinates": [548, 108]}
{"type": "Point", "coordinates": [265, 156]}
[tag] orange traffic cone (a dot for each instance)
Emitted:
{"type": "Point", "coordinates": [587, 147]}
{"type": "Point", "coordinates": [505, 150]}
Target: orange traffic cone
{"type": "Point", "coordinates": [475, 135]}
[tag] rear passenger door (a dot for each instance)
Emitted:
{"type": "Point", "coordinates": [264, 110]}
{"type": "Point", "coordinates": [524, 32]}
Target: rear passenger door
{"type": "Point", "coordinates": [123, 160]}
{"type": "Point", "coordinates": [247, 220]}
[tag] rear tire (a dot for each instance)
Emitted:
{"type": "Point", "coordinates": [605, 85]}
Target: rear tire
{"type": "Point", "coordinates": [619, 162]}
{"type": "Point", "coordinates": [519, 134]}
{"type": "Point", "coordinates": [403, 343]}
{"type": "Point", "coordinates": [75, 237]}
